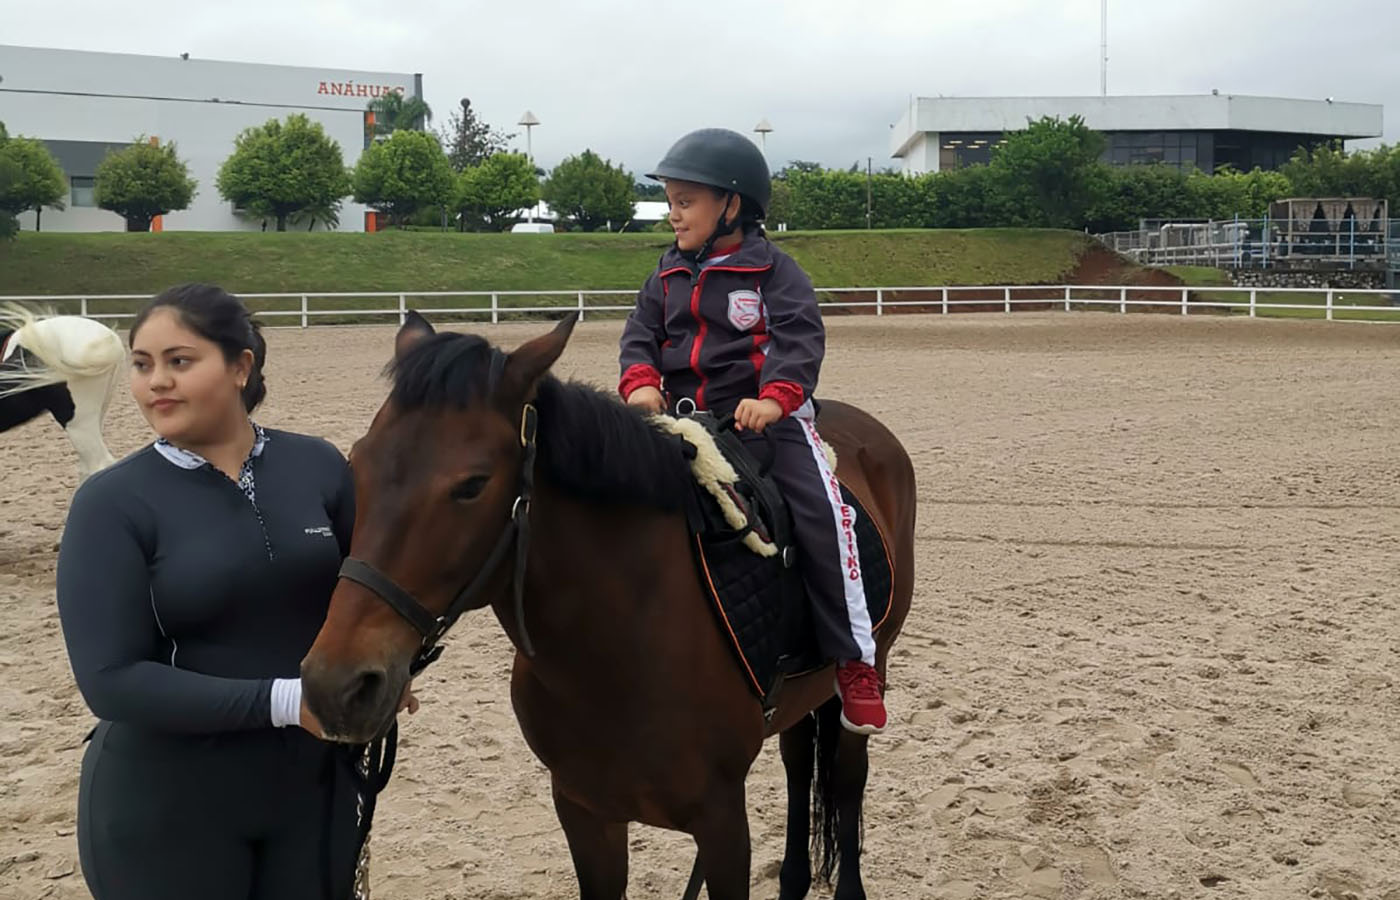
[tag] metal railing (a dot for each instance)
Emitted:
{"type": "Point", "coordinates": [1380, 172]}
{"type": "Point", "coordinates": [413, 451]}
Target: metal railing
{"type": "Point", "coordinates": [309, 308]}
{"type": "Point", "coordinates": [1260, 243]}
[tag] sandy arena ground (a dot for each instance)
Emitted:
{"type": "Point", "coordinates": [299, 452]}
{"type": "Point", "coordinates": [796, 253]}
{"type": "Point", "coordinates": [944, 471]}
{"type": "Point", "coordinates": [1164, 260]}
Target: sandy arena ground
{"type": "Point", "coordinates": [1152, 653]}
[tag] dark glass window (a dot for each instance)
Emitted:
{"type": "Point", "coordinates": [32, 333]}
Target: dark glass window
{"type": "Point", "coordinates": [82, 190]}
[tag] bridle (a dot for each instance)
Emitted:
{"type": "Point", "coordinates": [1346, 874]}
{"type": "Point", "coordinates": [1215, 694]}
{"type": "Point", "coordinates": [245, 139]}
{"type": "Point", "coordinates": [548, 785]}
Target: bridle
{"type": "Point", "coordinates": [516, 533]}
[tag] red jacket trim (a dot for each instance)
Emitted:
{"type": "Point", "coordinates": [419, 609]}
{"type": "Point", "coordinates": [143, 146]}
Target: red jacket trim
{"type": "Point", "coordinates": [638, 376]}
{"type": "Point", "coordinates": [788, 395]}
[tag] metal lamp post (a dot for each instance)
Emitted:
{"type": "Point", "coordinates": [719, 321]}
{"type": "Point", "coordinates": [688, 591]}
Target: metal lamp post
{"type": "Point", "coordinates": [763, 128]}
{"type": "Point", "coordinates": [529, 121]}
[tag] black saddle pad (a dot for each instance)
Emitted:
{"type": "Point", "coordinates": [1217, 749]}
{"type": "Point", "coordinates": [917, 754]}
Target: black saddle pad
{"type": "Point", "coordinates": [763, 609]}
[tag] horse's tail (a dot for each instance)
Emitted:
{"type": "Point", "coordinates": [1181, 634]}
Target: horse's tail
{"type": "Point", "coordinates": [826, 818]}
{"type": "Point", "coordinates": [69, 348]}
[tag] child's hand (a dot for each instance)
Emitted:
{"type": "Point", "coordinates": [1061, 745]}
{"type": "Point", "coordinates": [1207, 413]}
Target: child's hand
{"type": "Point", "coordinates": [756, 415]}
{"type": "Point", "coordinates": [647, 398]}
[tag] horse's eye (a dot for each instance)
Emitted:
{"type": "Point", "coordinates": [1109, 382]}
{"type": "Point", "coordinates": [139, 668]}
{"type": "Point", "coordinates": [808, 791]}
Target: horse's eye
{"type": "Point", "coordinates": [471, 488]}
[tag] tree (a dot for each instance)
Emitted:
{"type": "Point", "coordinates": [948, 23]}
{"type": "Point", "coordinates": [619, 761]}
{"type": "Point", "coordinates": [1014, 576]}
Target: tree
{"type": "Point", "coordinates": [1156, 191]}
{"type": "Point", "coordinates": [143, 181]}
{"type": "Point", "coordinates": [33, 178]}
{"type": "Point", "coordinates": [1051, 172]}
{"type": "Point", "coordinates": [589, 191]}
{"type": "Point", "coordinates": [825, 199]}
{"type": "Point", "coordinates": [280, 170]}
{"type": "Point", "coordinates": [393, 112]}
{"type": "Point", "coordinates": [780, 204]}
{"type": "Point", "coordinates": [1229, 193]}
{"type": "Point", "coordinates": [9, 174]}
{"type": "Point", "coordinates": [797, 165]}
{"type": "Point", "coordinates": [970, 197]}
{"type": "Point", "coordinates": [403, 174]}
{"type": "Point", "coordinates": [490, 193]}
{"type": "Point", "coordinates": [470, 141]}
{"type": "Point", "coordinates": [1332, 172]}
{"type": "Point", "coordinates": [649, 191]}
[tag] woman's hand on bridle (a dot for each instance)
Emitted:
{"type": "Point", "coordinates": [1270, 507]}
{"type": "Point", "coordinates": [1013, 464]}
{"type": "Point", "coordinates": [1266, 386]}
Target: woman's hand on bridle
{"type": "Point", "coordinates": [310, 723]}
{"type": "Point", "coordinates": [408, 701]}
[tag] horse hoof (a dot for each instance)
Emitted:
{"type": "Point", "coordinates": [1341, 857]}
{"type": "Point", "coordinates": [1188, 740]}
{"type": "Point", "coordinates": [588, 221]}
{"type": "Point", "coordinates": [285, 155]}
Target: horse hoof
{"type": "Point", "coordinates": [793, 883]}
{"type": "Point", "coordinates": [849, 890]}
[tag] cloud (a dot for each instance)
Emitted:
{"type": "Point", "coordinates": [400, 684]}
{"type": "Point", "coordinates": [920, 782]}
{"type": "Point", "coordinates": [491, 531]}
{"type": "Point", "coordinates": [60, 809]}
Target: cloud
{"type": "Point", "coordinates": [627, 77]}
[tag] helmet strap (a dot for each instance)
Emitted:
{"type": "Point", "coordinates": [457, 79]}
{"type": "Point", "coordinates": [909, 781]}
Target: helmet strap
{"type": "Point", "coordinates": [723, 228]}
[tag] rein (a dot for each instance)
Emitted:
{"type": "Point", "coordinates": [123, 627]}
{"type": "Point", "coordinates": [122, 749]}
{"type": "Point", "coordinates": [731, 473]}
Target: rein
{"type": "Point", "coordinates": [516, 534]}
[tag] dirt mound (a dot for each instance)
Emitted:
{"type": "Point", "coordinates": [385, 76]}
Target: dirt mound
{"type": "Point", "coordinates": [1097, 265]}
{"type": "Point", "coordinates": [1100, 265]}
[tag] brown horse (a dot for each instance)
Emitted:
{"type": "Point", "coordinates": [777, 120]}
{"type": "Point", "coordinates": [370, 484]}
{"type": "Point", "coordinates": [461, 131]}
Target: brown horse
{"type": "Point", "coordinates": [623, 685]}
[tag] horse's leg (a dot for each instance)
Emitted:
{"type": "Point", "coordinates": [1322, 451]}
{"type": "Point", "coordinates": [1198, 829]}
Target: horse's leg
{"type": "Point", "coordinates": [852, 767]}
{"type": "Point", "coordinates": [598, 848]}
{"type": "Point", "coordinates": [80, 414]}
{"type": "Point", "coordinates": [799, 748]}
{"type": "Point", "coordinates": [722, 836]}
{"type": "Point", "coordinates": [842, 765]}
{"type": "Point", "coordinates": [696, 882]}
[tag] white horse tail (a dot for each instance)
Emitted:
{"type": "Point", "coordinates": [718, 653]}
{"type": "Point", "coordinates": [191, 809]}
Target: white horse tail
{"type": "Point", "coordinates": [68, 348]}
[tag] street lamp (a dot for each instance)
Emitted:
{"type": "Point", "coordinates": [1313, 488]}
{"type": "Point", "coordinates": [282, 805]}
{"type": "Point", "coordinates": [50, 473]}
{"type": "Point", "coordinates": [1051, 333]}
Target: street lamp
{"type": "Point", "coordinates": [763, 128]}
{"type": "Point", "coordinates": [529, 121]}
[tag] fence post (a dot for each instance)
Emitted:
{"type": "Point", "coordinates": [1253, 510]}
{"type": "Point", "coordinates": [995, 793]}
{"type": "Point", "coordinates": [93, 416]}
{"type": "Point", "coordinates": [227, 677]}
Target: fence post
{"type": "Point", "coordinates": [1122, 300]}
{"type": "Point", "coordinates": [879, 301]}
{"type": "Point", "coordinates": [495, 308]}
{"type": "Point", "coordinates": [1066, 298]}
{"type": "Point", "coordinates": [1253, 300]}
{"type": "Point", "coordinates": [945, 300]}
{"type": "Point", "coordinates": [580, 306]}
{"type": "Point", "coordinates": [304, 322]}
{"type": "Point", "coordinates": [1329, 304]}
{"type": "Point", "coordinates": [1183, 301]}
{"type": "Point", "coordinates": [1006, 295]}
{"type": "Point", "coordinates": [82, 306]}
{"type": "Point", "coordinates": [403, 310]}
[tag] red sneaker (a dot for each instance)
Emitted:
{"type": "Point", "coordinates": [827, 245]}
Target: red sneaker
{"type": "Point", "coordinates": [862, 693]}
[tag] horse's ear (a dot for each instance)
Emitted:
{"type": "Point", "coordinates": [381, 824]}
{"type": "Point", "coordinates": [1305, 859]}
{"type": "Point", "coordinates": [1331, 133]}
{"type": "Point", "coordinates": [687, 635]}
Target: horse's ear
{"type": "Point", "coordinates": [413, 330]}
{"type": "Point", "coordinates": [531, 360]}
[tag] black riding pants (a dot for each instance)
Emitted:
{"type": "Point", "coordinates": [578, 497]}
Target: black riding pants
{"type": "Point", "coordinates": [824, 531]}
{"type": "Point", "coordinates": [255, 815]}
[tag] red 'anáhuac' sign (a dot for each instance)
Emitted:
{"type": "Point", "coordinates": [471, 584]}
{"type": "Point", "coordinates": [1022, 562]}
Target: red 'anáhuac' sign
{"type": "Point", "coordinates": [351, 89]}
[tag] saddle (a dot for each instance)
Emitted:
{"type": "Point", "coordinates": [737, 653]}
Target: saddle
{"type": "Point", "coordinates": [743, 545]}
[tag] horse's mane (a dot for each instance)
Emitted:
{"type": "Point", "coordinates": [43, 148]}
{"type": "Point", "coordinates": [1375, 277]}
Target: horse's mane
{"type": "Point", "coordinates": [590, 444]}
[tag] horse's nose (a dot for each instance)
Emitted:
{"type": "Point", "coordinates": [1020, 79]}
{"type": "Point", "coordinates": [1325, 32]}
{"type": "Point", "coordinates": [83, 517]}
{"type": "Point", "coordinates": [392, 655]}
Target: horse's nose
{"type": "Point", "coordinates": [363, 693]}
{"type": "Point", "coordinates": [347, 703]}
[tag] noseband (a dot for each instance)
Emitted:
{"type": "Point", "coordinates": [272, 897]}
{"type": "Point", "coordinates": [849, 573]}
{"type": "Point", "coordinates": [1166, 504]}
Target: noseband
{"type": "Point", "coordinates": [516, 533]}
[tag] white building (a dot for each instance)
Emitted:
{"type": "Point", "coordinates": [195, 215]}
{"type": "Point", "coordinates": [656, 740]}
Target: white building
{"type": "Point", "coordinates": [83, 104]}
{"type": "Point", "coordinates": [644, 212]}
{"type": "Point", "coordinates": [1203, 131]}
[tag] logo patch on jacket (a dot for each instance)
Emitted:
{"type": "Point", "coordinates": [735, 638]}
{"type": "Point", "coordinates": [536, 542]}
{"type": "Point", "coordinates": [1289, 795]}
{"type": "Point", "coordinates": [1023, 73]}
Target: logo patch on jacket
{"type": "Point", "coordinates": [745, 309]}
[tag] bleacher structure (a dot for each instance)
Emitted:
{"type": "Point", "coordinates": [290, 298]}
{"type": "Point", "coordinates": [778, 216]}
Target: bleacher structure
{"type": "Point", "coordinates": [1298, 234]}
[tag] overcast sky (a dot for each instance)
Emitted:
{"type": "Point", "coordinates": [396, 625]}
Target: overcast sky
{"type": "Point", "coordinates": [627, 77]}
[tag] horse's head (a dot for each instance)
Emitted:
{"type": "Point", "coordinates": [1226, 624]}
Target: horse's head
{"type": "Point", "coordinates": [437, 479]}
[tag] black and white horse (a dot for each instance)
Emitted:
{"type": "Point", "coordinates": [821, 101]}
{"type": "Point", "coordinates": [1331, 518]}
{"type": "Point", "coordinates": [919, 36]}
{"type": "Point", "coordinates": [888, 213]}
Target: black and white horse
{"type": "Point", "coordinates": [63, 365]}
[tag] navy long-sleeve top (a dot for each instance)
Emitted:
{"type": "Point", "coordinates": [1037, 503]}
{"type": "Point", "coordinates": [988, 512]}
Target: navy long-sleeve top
{"type": "Point", "coordinates": [183, 594]}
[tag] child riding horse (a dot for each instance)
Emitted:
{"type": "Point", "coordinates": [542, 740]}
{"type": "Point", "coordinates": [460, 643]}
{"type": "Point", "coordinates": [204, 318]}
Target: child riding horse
{"type": "Point", "coordinates": [623, 685]}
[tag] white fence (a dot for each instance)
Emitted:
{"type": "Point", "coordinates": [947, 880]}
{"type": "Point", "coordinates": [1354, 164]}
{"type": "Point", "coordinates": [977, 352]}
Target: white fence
{"type": "Point", "coordinates": [306, 308]}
